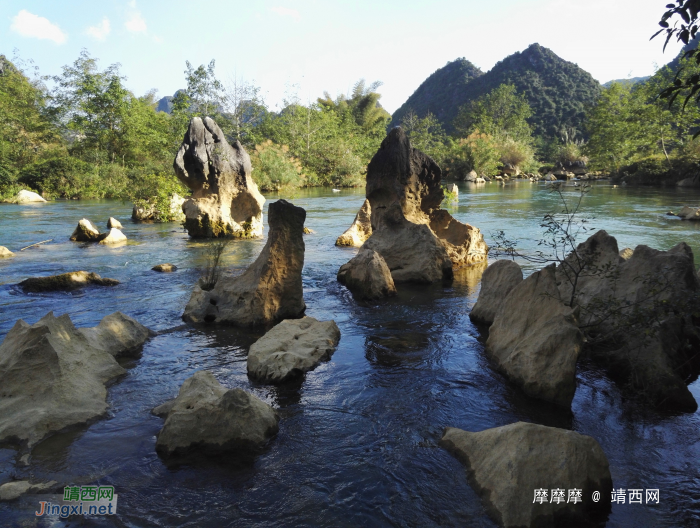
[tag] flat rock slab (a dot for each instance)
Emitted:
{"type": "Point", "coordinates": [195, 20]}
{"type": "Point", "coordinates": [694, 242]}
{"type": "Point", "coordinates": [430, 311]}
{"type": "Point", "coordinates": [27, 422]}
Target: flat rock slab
{"type": "Point", "coordinates": [507, 465]}
{"type": "Point", "coordinates": [291, 348]}
{"type": "Point", "coordinates": [208, 418]}
{"type": "Point", "coordinates": [65, 281]}
{"type": "Point", "coordinates": [53, 375]}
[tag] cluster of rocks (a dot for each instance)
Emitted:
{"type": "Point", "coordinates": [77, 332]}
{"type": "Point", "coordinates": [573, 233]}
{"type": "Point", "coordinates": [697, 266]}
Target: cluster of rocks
{"type": "Point", "coordinates": [635, 306]}
{"type": "Point", "coordinates": [86, 231]}
{"type": "Point", "coordinates": [225, 200]}
{"type": "Point", "coordinates": [53, 375]}
{"type": "Point", "coordinates": [408, 232]}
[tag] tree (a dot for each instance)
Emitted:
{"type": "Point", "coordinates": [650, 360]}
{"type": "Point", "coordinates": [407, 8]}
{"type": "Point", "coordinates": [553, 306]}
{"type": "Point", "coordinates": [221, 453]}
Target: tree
{"type": "Point", "coordinates": [426, 134]}
{"type": "Point", "coordinates": [242, 107]}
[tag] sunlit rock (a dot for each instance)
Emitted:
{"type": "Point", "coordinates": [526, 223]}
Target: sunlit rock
{"type": "Point", "coordinates": [114, 223]}
{"type": "Point", "coordinates": [367, 276]}
{"type": "Point", "coordinates": [65, 281]}
{"type": "Point", "coordinates": [85, 232]}
{"type": "Point", "coordinates": [360, 230]}
{"type": "Point", "coordinates": [5, 253]}
{"type": "Point", "coordinates": [25, 196]}
{"type": "Point", "coordinates": [115, 236]}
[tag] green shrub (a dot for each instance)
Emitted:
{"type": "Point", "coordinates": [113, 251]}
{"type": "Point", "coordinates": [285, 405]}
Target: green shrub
{"type": "Point", "coordinates": [516, 153]}
{"type": "Point", "coordinates": [476, 152]}
{"type": "Point", "coordinates": [274, 168]}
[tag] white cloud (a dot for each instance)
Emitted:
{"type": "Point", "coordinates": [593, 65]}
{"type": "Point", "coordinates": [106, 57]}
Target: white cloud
{"type": "Point", "coordinates": [286, 12]}
{"type": "Point", "coordinates": [30, 25]}
{"type": "Point", "coordinates": [136, 23]}
{"type": "Point", "coordinates": [157, 39]}
{"type": "Point", "coordinates": [100, 31]}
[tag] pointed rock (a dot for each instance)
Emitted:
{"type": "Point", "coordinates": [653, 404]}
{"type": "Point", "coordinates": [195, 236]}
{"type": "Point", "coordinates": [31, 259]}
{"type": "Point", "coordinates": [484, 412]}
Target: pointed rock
{"type": "Point", "coordinates": [360, 230]}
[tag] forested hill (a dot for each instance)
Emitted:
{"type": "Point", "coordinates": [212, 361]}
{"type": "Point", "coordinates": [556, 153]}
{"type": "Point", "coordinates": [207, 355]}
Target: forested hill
{"type": "Point", "coordinates": [441, 93]}
{"type": "Point", "coordinates": [558, 91]}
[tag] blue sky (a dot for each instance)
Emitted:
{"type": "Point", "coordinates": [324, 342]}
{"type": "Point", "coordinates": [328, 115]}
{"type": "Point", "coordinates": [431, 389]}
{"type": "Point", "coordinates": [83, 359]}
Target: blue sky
{"type": "Point", "coordinates": [306, 47]}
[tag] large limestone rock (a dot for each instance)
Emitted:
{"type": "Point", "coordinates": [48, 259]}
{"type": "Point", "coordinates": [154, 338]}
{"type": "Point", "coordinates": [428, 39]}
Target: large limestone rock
{"type": "Point", "coordinates": [225, 200]}
{"type": "Point", "coordinates": [367, 276]}
{"type": "Point", "coordinates": [25, 196]}
{"type": "Point", "coordinates": [360, 230]}
{"type": "Point", "coordinates": [291, 348]}
{"type": "Point", "coordinates": [270, 289]}
{"type": "Point", "coordinates": [496, 283]}
{"type": "Point", "coordinates": [505, 465]}
{"type": "Point", "coordinates": [535, 340]}
{"type": "Point", "coordinates": [5, 253]}
{"type": "Point", "coordinates": [209, 418]}
{"type": "Point", "coordinates": [53, 375]}
{"type": "Point", "coordinates": [115, 236]}
{"type": "Point", "coordinates": [418, 241]}
{"type": "Point", "coordinates": [638, 315]}
{"type": "Point", "coordinates": [65, 281]}
{"type": "Point", "coordinates": [85, 232]}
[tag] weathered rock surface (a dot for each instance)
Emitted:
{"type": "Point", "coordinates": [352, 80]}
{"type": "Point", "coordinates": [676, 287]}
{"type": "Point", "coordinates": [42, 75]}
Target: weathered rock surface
{"type": "Point", "coordinates": [25, 196]}
{"type": "Point", "coordinates": [689, 213]}
{"type": "Point", "coordinates": [114, 223]}
{"type": "Point", "coordinates": [209, 418]}
{"type": "Point", "coordinates": [270, 290]}
{"type": "Point", "coordinates": [85, 232]}
{"type": "Point", "coordinates": [164, 268]}
{"type": "Point", "coordinates": [53, 375]}
{"type": "Point", "coordinates": [535, 340]}
{"type": "Point", "coordinates": [453, 189]}
{"type": "Point", "coordinates": [505, 465]}
{"type": "Point", "coordinates": [117, 334]}
{"type": "Point", "coordinates": [496, 283]}
{"type": "Point", "coordinates": [5, 253]}
{"type": "Point", "coordinates": [65, 281]}
{"type": "Point", "coordinates": [367, 276]}
{"type": "Point", "coordinates": [360, 230]}
{"type": "Point", "coordinates": [626, 253]}
{"type": "Point", "coordinates": [464, 243]}
{"type": "Point", "coordinates": [225, 200]}
{"type": "Point", "coordinates": [638, 315]}
{"type": "Point", "coordinates": [15, 489]}
{"type": "Point", "coordinates": [291, 348]}
{"type": "Point", "coordinates": [115, 236]}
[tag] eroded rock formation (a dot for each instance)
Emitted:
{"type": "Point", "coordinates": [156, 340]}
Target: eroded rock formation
{"type": "Point", "coordinates": [53, 375]}
{"type": "Point", "coordinates": [506, 465]}
{"type": "Point", "coordinates": [209, 418]}
{"type": "Point", "coordinates": [367, 276]}
{"type": "Point", "coordinates": [360, 230]}
{"type": "Point", "coordinates": [496, 283]}
{"type": "Point", "coordinates": [225, 200]}
{"type": "Point", "coordinates": [270, 290]}
{"type": "Point", "coordinates": [291, 348]}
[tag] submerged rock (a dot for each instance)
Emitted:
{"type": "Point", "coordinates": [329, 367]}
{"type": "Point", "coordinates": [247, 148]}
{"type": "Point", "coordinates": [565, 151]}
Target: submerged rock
{"type": "Point", "coordinates": [367, 276]}
{"type": "Point", "coordinates": [360, 230]}
{"type": "Point", "coordinates": [114, 223]}
{"type": "Point", "coordinates": [25, 196]}
{"type": "Point", "coordinates": [15, 489]}
{"type": "Point", "coordinates": [535, 340]}
{"type": "Point", "coordinates": [291, 348]}
{"type": "Point", "coordinates": [270, 290]}
{"type": "Point", "coordinates": [164, 268]}
{"type": "Point", "coordinates": [5, 253]}
{"type": "Point", "coordinates": [53, 375]}
{"type": "Point", "coordinates": [496, 283]}
{"type": "Point", "coordinates": [225, 200]}
{"type": "Point", "coordinates": [209, 418]}
{"type": "Point", "coordinates": [689, 213]}
{"type": "Point", "coordinates": [85, 232]}
{"type": "Point", "coordinates": [65, 281]}
{"type": "Point", "coordinates": [115, 236]}
{"type": "Point", "coordinates": [507, 465]}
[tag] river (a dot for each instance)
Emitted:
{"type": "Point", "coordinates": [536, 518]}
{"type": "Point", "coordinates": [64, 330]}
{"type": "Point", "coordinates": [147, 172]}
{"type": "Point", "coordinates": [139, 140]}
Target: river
{"type": "Point", "coordinates": [358, 439]}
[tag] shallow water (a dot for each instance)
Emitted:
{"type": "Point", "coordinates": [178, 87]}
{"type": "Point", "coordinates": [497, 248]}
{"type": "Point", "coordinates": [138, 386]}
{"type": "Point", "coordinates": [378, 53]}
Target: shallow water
{"type": "Point", "coordinates": [358, 437]}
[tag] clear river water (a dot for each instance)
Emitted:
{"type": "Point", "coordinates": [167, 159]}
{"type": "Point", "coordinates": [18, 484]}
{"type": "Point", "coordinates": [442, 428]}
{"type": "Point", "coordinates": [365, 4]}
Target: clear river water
{"type": "Point", "coordinates": [358, 439]}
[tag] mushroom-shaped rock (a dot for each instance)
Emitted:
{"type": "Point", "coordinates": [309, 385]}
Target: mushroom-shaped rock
{"type": "Point", "coordinates": [225, 200]}
{"type": "Point", "coordinates": [65, 281]}
{"type": "Point", "coordinates": [496, 283]}
{"type": "Point", "coordinates": [270, 290]}
{"type": "Point", "coordinates": [5, 253]}
{"type": "Point", "coordinates": [367, 276]}
{"type": "Point", "coordinates": [164, 268]}
{"type": "Point", "coordinates": [53, 375]}
{"type": "Point", "coordinates": [291, 348]}
{"type": "Point", "coordinates": [507, 465]}
{"type": "Point", "coordinates": [25, 196]}
{"type": "Point", "coordinates": [115, 236]}
{"type": "Point", "coordinates": [360, 230]}
{"type": "Point", "coordinates": [114, 223]}
{"type": "Point", "coordinates": [535, 340]}
{"type": "Point", "coordinates": [85, 232]}
{"type": "Point", "coordinates": [209, 418]}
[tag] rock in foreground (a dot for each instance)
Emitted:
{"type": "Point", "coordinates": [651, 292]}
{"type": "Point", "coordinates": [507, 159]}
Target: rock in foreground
{"type": "Point", "coordinates": [506, 465]}
{"type": "Point", "coordinates": [53, 375]}
{"type": "Point", "coordinates": [270, 290]}
{"type": "Point", "coordinates": [65, 281]}
{"type": "Point", "coordinates": [360, 230]}
{"type": "Point", "coordinates": [367, 276]}
{"type": "Point", "coordinates": [291, 348]}
{"type": "Point", "coordinates": [496, 283]}
{"type": "Point", "coordinates": [209, 418]}
{"type": "Point", "coordinates": [225, 200]}
{"type": "Point", "coordinates": [535, 340]}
